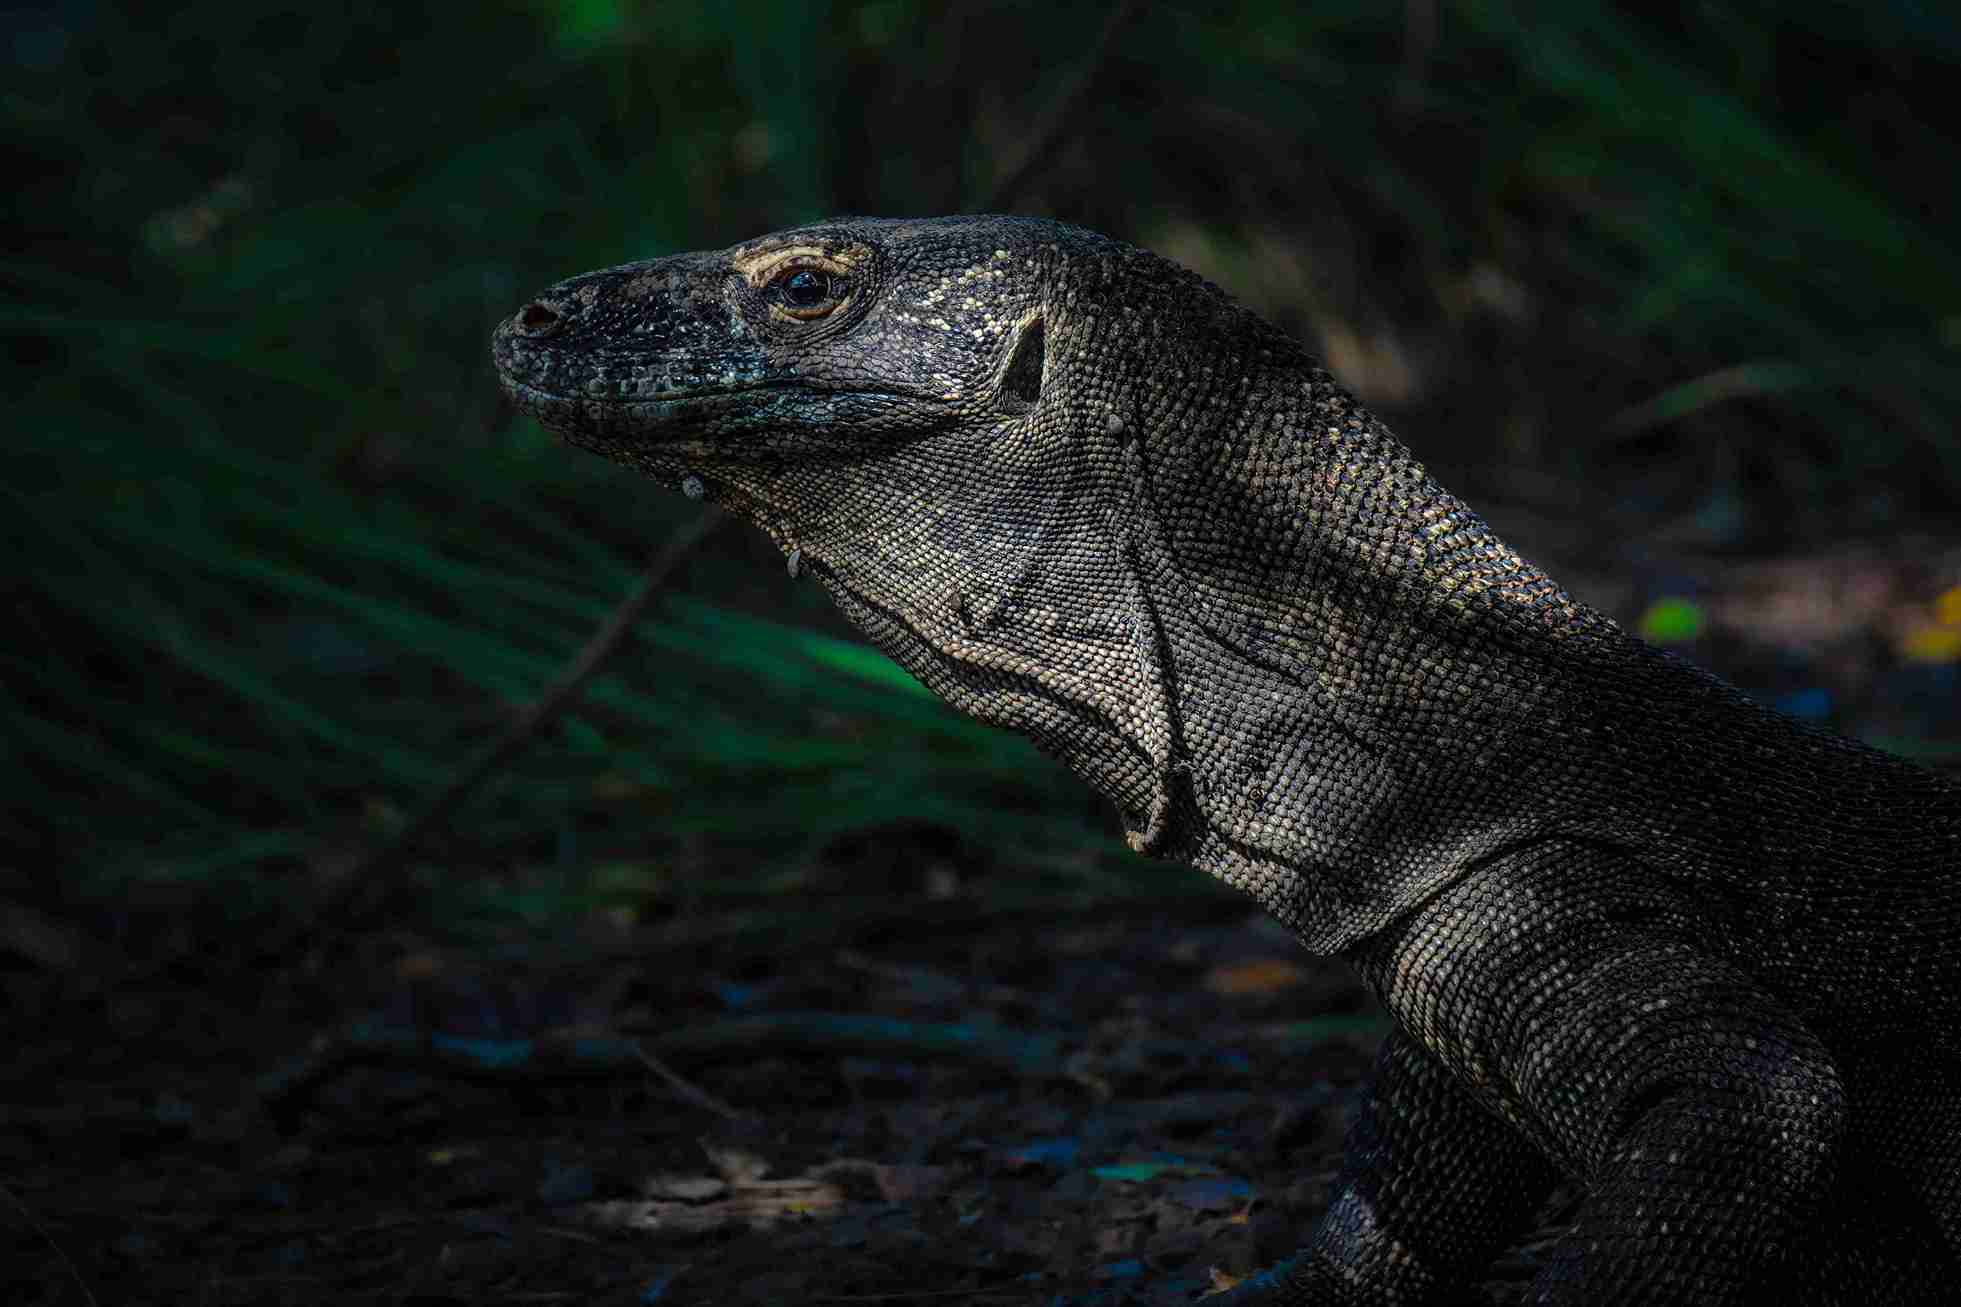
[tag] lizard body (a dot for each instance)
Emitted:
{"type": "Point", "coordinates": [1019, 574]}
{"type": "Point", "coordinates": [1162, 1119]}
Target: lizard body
{"type": "Point", "coordinates": [1632, 928]}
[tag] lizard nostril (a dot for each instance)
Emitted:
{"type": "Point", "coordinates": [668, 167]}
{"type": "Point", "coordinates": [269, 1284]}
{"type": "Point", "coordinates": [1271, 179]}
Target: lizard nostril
{"type": "Point", "coordinates": [538, 319]}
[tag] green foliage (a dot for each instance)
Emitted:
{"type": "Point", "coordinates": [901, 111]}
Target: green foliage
{"type": "Point", "coordinates": [1672, 620]}
{"type": "Point", "coordinates": [283, 562]}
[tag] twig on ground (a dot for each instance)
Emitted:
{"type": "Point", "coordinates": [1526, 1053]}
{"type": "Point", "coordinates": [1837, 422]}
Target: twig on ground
{"type": "Point", "coordinates": [48, 1239]}
{"type": "Point", "coordinates": [693, 1093]}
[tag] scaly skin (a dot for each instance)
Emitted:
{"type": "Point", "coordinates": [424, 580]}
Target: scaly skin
{"type": "Point", "coordinates": [1633, 929]}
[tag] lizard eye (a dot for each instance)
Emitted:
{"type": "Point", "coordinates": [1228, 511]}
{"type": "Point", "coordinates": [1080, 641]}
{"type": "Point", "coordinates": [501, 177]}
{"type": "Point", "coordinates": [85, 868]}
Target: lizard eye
{"type": "Point", "coordinates": [809, 292]}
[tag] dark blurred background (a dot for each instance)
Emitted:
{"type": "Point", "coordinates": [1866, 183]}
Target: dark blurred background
{"type": "Point", "coordinates": [1669, 292]}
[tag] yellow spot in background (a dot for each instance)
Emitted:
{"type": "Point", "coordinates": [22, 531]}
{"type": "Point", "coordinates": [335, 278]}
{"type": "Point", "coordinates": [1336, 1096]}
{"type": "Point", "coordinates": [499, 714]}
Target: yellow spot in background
{"type": "Point", "coordinates": [1932, 644]}
{"type": "Point", "coordinates": [1947, 608]}
{"type": "Point", "coordinates": [1672, 619]}
{"type": "Point", "coordinates": [451, 1156]}
{"type": "Point", "coordinates": [1938, 641]}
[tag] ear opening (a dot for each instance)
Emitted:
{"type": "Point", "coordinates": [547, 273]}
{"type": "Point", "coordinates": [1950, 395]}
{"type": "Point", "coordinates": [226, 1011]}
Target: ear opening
{"type": "Point", "coordinates": [1021, 384]}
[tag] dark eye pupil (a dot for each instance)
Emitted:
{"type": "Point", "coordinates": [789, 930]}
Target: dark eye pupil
{"type": "Point", "coordinates": [806, 288]}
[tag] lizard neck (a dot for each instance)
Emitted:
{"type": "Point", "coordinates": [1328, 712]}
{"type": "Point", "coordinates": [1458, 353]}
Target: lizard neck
{"type": "Point", "coordinates": [1363, 686]}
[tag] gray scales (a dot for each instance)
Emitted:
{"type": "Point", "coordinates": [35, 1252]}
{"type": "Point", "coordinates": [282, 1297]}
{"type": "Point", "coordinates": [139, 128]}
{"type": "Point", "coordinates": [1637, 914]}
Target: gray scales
{"type": "Point", "coordinates": [1632, 928]}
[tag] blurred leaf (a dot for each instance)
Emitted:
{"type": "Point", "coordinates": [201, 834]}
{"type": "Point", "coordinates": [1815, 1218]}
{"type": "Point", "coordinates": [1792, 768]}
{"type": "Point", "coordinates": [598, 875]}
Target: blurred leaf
{"type": "Point", "coordinates": [1737, 382]}
{"type": "Point", "coordinates": [1316, 1031]}
{"type": "Point", "coordinates": [1141, 1171]}
{"type": "Point", "coordinates": [1058, 1153]}
{"type": "Point", "coordinates": [1260, 976]}
{"type": "Point", "coordinates": [587, 23]}
{"type": "Point", "coordinates": [1931, 644]}
{"type": "Point", "coordinates": [1947, 608]}
{"type": "Point", "coordinates": [1672, 620]}
{"type": "Point", "coordinates": [857, 660]}
{"type": "Point", "coordinates": [1812, 704]}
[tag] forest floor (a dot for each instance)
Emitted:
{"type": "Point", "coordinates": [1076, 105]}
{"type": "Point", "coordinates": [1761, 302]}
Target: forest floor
{"type": "Point", "coordinates": [946, 1107]}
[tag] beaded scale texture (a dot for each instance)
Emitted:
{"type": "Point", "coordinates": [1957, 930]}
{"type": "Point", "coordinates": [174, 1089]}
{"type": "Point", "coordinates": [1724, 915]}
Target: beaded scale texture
{"type": "Point", "coordinates": [1633, 929]}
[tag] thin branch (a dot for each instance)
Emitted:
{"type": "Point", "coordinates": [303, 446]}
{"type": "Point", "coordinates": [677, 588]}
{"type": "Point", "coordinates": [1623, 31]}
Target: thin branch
{"type": "Point", "coordinates": [693, 1093]}
{"type": "Point", "coordinates": [1059, 122]}
{"type": "Point", "coordinates": [47, 1238]}
{"type": "Point", "coordinates": [530, 720]}
{"type": "Point", "coordinates": [1742, 381]}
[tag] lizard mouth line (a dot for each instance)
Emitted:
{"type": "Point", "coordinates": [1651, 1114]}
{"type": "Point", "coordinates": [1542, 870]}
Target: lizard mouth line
{"type": "Point", "coordinates": [671, 421]}
{"type": "Point", "coordinates": [533, 398]}
{"type": "Point", "coordinates": [525, 392]}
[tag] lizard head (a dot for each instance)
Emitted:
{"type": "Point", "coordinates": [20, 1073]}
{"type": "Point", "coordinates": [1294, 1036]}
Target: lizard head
{"type": "Point", "coordinates": [929, 416]}
{"type": "Point", "coordinates": [823, 343]}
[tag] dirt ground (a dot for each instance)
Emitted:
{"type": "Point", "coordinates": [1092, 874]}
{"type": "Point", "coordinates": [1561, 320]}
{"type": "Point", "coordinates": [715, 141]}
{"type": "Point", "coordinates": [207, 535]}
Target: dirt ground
{"type": "Point", "coordinates": [945, 1107]}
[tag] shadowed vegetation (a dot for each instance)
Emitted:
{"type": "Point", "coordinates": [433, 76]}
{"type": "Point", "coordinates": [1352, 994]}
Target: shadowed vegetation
{"type": "Point", "coordinates": [283, 561]}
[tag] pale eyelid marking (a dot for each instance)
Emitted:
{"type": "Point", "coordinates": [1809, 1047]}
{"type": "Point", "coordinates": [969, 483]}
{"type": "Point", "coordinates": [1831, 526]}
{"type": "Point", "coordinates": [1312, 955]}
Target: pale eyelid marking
{"type": "Point", "coordinates": [761, 268]}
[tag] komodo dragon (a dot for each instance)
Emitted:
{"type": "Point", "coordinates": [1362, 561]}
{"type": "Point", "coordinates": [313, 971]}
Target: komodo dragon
{"type": "Point", "coordinates": [1632, 928]}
